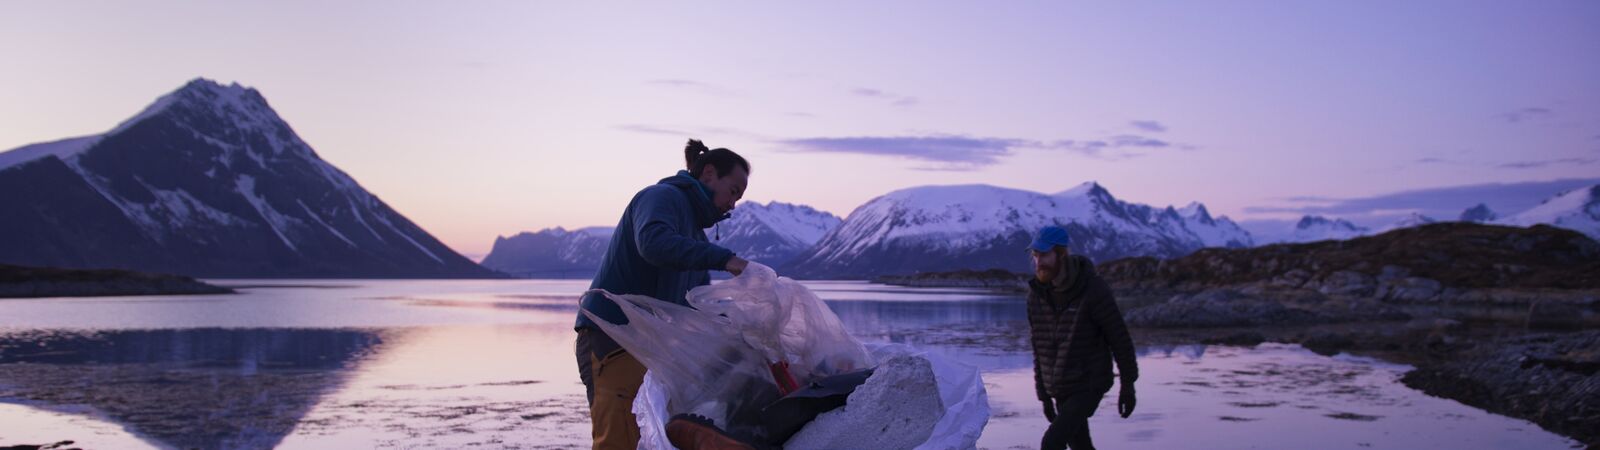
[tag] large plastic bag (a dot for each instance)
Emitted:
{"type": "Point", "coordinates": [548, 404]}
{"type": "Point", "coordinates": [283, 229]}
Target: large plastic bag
{"type": "Point", "coordinates": [711, 371]}
{"type": "Point", "coordinates": [717, 357]}
{"type": "Point", "coordinates": [961, 391]}
{"type": "Point", "coordinates": [785, 322]}
{"type": "Point", "coordinates": [713, 359]}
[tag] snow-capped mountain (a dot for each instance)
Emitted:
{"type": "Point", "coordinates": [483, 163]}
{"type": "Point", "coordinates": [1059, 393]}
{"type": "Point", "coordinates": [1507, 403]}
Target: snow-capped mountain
{"type": "Point", "coordinates": [208, 181]}
{"type": "Point", "coordinates": [1577, 210]}
{"type": "Point", "coordinates": [772, 234]}
{"type": "Point", "coordinates": [942, 228]}
{"type": "Point", "coordinates": [550, 253]}
{"type": "Point", "coordinates": [1318, 228]}
{"type": "Point", "coordinates": [1214, 231]}
{"type": "Point", "coordinates": [1410, 220]}
{"type": "Point", "coordinates": [1479, 214]}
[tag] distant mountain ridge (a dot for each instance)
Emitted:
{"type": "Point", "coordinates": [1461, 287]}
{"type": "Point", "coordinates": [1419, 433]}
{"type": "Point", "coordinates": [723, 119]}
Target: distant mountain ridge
{"type": "Point", "coordinates": [1576, 209]}
{"type": "Point", "coordinates": [771, 233]}
{"type": "Point", "coordinates": [943, 228]}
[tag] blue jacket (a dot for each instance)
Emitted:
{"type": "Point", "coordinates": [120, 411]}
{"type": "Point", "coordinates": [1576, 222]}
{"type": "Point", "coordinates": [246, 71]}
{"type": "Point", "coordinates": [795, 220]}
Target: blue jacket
{"type": "Point", "coordinates": [659, 249]}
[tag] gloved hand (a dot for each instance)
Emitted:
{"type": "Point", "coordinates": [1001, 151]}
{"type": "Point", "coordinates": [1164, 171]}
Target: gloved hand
{"type": "Point", "coordinates": [1049, 410]}
{"type": "Point", "coordinates": [1126, 400]}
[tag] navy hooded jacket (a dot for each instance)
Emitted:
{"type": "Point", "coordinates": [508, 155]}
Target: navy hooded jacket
{"type": "Point", "coordinates": [659, 249]}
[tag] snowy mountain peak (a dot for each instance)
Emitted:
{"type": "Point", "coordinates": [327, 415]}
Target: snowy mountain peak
{"type": "Point", "coordinates": [1196, 211]}
{"type": "Point", "coordinates": [1411, 220]}
{"type": "Point", "coordinates": [597, 231]}
{"type": "Point", "coordinates": [770, 233]}
{"type": "Point", "coordinates": [208, 180]}
{"type": "Point", "coordinates": [800, 225]}
{"type": "Point", "coordinates": [1309, 222]}
{"type": "Point", "coordinates": [561, 232]}
{"type": "Point", "coordinates": [1578, 210]}
{"type": "Point", "coordinates": [934, 228]}
{"type": "Point", "coordinates": [1171, 213]}
{"type": "Point", "coordinates": [203, 95]}
{"type": "Point", "coordinates": [1318, 228]}
{"type": "Point", "coordinates": [1479, 214]}
{"type": "Point", "coordinates": [1091, 189]}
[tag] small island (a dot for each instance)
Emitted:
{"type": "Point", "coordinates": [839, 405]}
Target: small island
{"type": "Point", "coordinates": [33, 282]}
{"type": "Point", "coordinates": [999, 279]}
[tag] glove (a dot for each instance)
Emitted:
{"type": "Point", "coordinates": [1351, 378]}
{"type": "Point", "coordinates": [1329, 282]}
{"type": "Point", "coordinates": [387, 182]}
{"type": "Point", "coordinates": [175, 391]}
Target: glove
{"type": "Point", "coordinates": [1049, 410]}
{"type": "Point", "coordinates": [1126, 400]}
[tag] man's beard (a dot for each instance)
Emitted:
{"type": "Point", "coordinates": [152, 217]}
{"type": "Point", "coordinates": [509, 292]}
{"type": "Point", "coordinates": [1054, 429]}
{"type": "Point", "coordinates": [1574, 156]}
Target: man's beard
{"type": "Point", "coordinates": [1046, 274]}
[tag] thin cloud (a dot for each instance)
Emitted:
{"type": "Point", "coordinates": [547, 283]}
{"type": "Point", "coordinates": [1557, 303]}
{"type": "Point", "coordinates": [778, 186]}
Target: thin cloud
{"type": "Point", "coordinates": [1148, 125]}
{"type": "Point", "coordinates": [691, 85]}
{"type": "Point", "coordinates": [893, 99]}
{"type": "Point", "coordinates": [709, 132]}
{"type": "Point", "coordinates": [1545, 163]}
{"type": "Point", "coordinates": [1310, 199]}
{"type": "Point", "coordinates": [1525, 114]}
{"type": "Point", "coordinates": [1437, 161]}
{"type": "Point", "coordinates": [965, 153]}
{"type": "Point", "coordinates": [1129, 140]}
{"type": "Point", "coordinates": [651, 129]}
{"type": "Point", "coordinates": [957, 153]}
{"type": "Point", "coordinates": [1115, 147]}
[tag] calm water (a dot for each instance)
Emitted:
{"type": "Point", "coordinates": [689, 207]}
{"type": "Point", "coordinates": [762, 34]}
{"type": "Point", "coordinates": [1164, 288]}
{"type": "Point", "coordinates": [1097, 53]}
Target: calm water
{"type": "Point", "coordinates": [411, 364]}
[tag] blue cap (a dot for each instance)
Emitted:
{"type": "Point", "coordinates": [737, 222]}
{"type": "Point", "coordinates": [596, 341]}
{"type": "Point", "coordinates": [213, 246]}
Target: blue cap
{"type": "Point", "coordinates": [1049, 237]}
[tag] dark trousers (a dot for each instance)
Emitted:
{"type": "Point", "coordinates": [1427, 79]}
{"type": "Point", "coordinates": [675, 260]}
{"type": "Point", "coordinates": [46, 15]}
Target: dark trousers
{"type": "Point", "coordinates": [1071, 427]}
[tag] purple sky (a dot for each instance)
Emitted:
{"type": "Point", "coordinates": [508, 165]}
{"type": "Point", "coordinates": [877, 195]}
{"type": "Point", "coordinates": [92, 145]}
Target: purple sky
{"type": "Point", "coordinates": [484, 119]}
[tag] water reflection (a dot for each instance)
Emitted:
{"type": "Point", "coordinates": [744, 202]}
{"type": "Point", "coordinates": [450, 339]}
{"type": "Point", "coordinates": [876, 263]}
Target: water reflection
{"type": "Point", "coordinates": [196, 388]}
{"type": "Point", "coordinates": [460, 364]}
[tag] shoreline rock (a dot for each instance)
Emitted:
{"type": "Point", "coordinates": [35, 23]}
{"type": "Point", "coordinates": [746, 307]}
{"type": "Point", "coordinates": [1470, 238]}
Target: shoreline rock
{"type": "Point", "coordinates": [34, 282]}
{"type": "Point", "coordinates": [1437, 264]}
{"type": "Point", "coordinates": [998, 279]}
{"type": "Point", "coordinates": [1550, 379]}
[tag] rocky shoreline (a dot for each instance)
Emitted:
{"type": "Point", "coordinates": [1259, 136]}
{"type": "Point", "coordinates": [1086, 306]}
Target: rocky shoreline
{"type": "Point", "coordinates": [997, 279]}
{"type": "Point", "coordinates": [32, 282]}
{"type": "Point", "coordinates": [1436, 264]}
{"type": "Point", "coordinates": [1501, 318]}
{"type": "Point", "coordinates": [1551, 378]}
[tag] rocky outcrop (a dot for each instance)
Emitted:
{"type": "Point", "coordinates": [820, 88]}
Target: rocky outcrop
{"type": "Point", "coordinates": [1444, 263]}
{"type": "Point", "coordinates": [22, 282]}
{"type": "Point", "coordinates": [1550, 379]}
{"type": "Point", "coordinates": [1230, 308]}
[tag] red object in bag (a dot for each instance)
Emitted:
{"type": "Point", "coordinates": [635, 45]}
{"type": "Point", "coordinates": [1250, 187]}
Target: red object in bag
{"type": "Point", "coordinates": [785, 380]}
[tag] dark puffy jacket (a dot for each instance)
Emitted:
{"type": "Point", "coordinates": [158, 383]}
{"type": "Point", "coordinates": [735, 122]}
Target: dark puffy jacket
{"type": "Point", "coordinates": [1061, 364]}
{"type": "Point", "coordinates": [659, 249]}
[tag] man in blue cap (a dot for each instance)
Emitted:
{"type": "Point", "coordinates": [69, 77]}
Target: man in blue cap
{"type": "Point", "coordinates": [1076, 331]}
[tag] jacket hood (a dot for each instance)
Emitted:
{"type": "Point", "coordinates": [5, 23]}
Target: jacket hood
{"type": "Point", "coordinates": [705, 212]}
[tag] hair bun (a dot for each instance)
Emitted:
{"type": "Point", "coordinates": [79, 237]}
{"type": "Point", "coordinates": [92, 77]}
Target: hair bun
{"type": "Point", "coordinates": [692, 152]}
